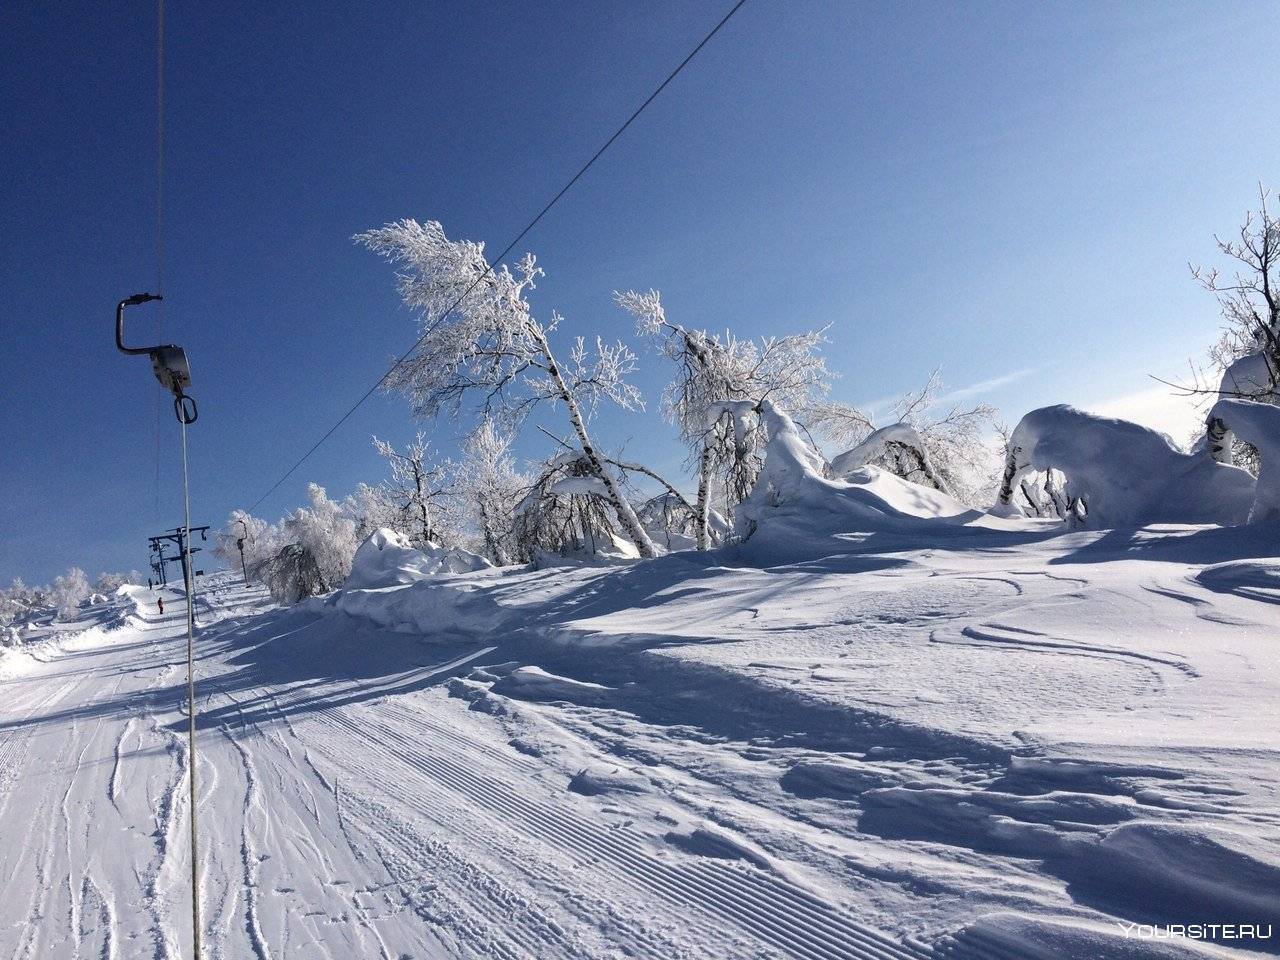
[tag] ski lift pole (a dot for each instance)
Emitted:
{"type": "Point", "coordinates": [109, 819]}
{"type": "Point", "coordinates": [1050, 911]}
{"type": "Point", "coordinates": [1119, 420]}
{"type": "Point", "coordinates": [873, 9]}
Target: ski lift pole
{"type": "Point", "coordinates": [169, 364]}
{"type": "Point", "coordinates": [240, 547]}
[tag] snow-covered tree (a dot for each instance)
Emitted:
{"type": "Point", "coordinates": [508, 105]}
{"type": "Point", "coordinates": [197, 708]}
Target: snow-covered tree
{"type": "Point", "coordinates": [418, 490]}
{"type": "Point", "coordinates": [952, 450]}
{"type": "Point", "coordinates": [1247, 354]}
{"type": "Point", "coordinates": [566, 510]}
{"type": "Point", "coordinates": [259, 541]}
{"type": "Point", "coordinates": [716, 391]}
{"type": "Point", "coordinates": [108, 583]}
{"type": "Point", "coordinates": [491, 487]}
{"type": "Point", "coordinates": [371, 508]}
{"type": "Point", "coordinates": [68, 591]}
{"type": "Point", "coordinates": [320, 542]}
{"type": "Point", "coordinates": [479, 339]}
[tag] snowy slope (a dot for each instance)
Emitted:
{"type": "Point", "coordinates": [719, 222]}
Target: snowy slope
{"type": "Point", "coordinates": [1001, 742]}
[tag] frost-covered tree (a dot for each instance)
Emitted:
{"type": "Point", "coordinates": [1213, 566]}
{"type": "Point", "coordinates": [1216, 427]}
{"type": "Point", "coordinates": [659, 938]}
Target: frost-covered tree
{"type": "Point", "coordinates": [260, 541]}
{"type": "Point", "coordinates": [320, 543]}
{"type": "Point", "coordinates": [371, 508]}
{"type": "Point", "coordinates": [68, 591]}
{"type": "Point", "coordinates": [947, 447]}
{"type": "Point", "coordinates": [566, 510]}
{"type": "Point", "coordinates": [307, 553]}
{"type": "Point", "coordinates": [491, 487]}
{"type": "Point", "coordinates": [716, 391]}
{"type": "Point", "coordinates": [479, 339]}
{"type": "Point", "coordinates": [111, 582]}
{"type": "Point", "coordinates": [418, 489]}
{"type": "Point", "coordinates": [1247, 354]}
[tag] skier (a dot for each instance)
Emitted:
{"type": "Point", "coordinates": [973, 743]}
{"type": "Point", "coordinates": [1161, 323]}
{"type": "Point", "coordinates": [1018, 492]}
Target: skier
{"type": "Point", "coordinates": [160, 604]}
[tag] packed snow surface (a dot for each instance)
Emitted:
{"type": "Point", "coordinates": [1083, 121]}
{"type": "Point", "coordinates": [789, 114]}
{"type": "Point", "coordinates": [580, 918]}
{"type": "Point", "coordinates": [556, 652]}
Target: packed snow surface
{"type": "Point", "coordinates": [883, 727]}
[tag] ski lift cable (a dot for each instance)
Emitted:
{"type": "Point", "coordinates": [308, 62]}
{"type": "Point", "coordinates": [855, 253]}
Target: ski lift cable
{"type": "Point", "coordinates": [506, 250]}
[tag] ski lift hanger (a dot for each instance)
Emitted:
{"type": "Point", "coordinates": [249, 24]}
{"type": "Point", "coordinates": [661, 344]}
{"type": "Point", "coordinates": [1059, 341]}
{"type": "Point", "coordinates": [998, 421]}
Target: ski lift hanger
{"type": "Point", "coordinates": [168, 361]}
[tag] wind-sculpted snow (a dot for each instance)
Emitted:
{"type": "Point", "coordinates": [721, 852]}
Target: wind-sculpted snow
{"type": "Point", "coordinates": [386, 559]}
{"type": "Point", "coordinates": [1257, 424]}
{"type": "Point", "coordinates": [1127, 474]}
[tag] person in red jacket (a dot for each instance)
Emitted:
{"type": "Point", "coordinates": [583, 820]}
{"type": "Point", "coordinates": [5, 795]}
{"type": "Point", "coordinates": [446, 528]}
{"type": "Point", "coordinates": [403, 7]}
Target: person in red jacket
{"type": "Point", "coordinates": [160, 604]}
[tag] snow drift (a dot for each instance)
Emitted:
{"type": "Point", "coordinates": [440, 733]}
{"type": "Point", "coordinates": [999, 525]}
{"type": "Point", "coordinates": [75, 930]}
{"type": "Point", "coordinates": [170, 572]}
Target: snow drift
{"type": "Point", "coordinates": [387, 560]}
{"type": "Point", "coordinates": [402, 588]}
{"type": "Point", "coordinates": [1257, 424]}
{"type": "Point", "coordinates": [1125, 473]}
{"type": "Point", "coordinates": [793, 502]}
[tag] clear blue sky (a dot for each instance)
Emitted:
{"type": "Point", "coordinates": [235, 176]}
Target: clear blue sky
{"type": "Point", "coordinates": [1009, 191]}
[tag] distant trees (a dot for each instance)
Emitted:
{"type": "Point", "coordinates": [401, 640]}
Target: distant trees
{"type": "Point", "coordinates": [480, 339]}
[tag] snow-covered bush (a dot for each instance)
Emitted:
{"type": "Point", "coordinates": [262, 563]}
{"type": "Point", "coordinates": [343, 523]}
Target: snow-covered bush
{"type": "Point", "coordinates": [69, 590]}
{"type": "Point", "coordinates": [1117, 473]}
{"type": "Point", "coordinates": [1257, 424]}
{"type": "Point", "coordinates": [480, 339]}
{"type": "Point", "coordinates": [566, 511]}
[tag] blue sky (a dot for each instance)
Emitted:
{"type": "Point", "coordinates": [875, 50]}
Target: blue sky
{"type": "Point", "coordinates": [1008, 191]}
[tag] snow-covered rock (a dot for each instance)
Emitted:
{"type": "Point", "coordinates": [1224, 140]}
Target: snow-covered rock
{"type": "Point", "coordinates": [1127, 474]}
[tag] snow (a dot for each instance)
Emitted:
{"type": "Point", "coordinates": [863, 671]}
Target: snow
{"type": "Point", "coordinates": [884, 726]}
{"type": "Point", "coordinates": [1259, 425]}
{"type": "Point", "coordinates": [386, 559]}
{"type": "Point", "coordinates": [875, 446]}
{"type": "Point", "coordinates": [1128, 475]}
{"type": "Point", "coordinates": [1249, 375]}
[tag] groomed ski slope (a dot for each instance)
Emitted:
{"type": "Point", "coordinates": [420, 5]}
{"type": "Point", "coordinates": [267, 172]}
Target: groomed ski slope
{"type": "Point", "coordinates": [1013, 747]}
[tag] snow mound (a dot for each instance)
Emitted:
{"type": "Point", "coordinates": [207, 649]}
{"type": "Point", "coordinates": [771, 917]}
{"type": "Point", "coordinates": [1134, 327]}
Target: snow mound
{"type": "Point", "coordinates": [534, 683]}
{"type": "Point", "coordinates": [601, 781]}
{"type": "Point", "coordinates": [706, 840]}
{"type": "Point", "coordinates": [1257, 424]}
{"type": "Point", "coordinates": [1127, 474]}
{"type": "Point", "coordinates": [1008, 935]}
{"type": "Point", "coordinates": [387, 560]}
{"type": "Point", "coordinates": [1256, 579]}
{"type": "Point", "coordinates": [1191, 872]}
{"type": "Point", "coordinates": [794, 503]}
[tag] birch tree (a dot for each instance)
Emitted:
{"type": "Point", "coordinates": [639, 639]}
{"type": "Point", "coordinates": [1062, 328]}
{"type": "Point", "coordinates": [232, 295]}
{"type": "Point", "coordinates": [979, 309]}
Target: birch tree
{"type": "Point", "coordinates": [715, 394]}
{"type": "Point", "coordinates": [493, 487]}
{"type": "Point", "coordinates": [418, 486]}
{"type": "Point", "coordinates": [479, 340]}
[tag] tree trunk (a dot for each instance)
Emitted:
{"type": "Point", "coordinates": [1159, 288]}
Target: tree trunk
{"type": "Point", "coordinates": [703, 518]}
{"type": "Point", "coordinates": [626, 515]}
